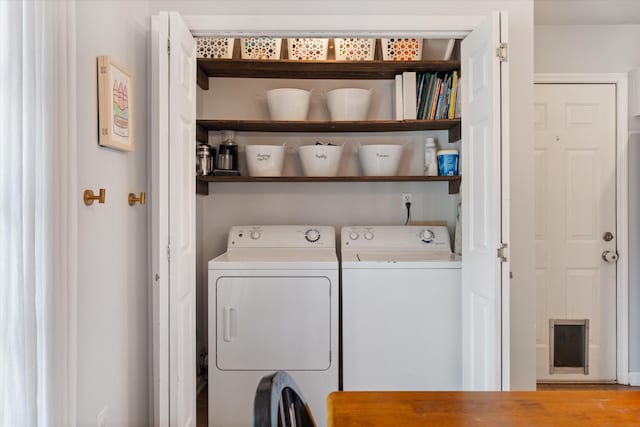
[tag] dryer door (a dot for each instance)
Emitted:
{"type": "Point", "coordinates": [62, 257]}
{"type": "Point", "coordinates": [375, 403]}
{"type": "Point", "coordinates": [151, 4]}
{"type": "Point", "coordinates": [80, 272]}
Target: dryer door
{"type": "Point", "coordinates": [271, 323]}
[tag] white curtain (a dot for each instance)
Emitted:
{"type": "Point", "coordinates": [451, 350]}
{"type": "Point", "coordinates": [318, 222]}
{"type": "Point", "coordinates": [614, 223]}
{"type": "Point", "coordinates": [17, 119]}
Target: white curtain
{"type": "Point", "coordinates": [38, 226]}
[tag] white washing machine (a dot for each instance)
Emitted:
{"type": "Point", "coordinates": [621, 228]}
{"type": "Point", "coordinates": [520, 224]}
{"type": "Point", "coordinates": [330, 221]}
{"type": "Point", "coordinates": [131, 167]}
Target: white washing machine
{"type": "Point", "coordinates": [273, 305]}
{"type": "Point", "coordinates": [401, 309]}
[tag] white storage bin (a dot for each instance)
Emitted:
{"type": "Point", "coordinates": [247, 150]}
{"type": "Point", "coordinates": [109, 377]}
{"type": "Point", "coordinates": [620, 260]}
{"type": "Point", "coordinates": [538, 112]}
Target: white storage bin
{"type": "Point", "coordinates": [307, 49]}
{"type": "Point", "coordinates": [288, 104]}
{"type": "Point", "coordinates": [320, 160]}
{"type": "Point", "coordinates": [260, 48]}
{"type": "Point", "coordinates": [380, 159]}
{"type": "Point", "coordinates": [354, 49]}
{"type": "Point", "coordinates": [214, 47]}
{"type": "Point", "coordinates": [350, 104]}
{"type": "Point", "coordinates": [265, 160]}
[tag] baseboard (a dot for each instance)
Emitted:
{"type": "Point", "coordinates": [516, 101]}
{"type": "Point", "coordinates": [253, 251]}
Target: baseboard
{"type": "Point", "coordinates": [634, 378]}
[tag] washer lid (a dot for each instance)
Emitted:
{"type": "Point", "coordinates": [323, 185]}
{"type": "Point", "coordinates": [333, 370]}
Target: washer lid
{"type": "Point", "coordinates": [288, 259]}
{"type": "Point", "coordinates": [405, 256]}
{"type": "Point", "coordinates": [400, 260]}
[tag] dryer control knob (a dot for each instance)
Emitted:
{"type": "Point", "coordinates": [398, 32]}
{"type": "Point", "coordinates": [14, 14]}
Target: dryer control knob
{"type": "Point", "coordinates": [427, 236]}
{"type": "Point", "coordinates": [312, 235]}
{"type": "Point", "coordinates": [353, 235]}
{"type": "Point", "coordinates": [368, 235]}
{"type": "Point", "coordinates": [255, 235]}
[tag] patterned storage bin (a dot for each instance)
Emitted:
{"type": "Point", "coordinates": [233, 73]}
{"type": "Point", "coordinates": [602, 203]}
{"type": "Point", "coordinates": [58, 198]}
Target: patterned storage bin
{"type": "Point", "coordinates": [308, 49]}
{"type": "Point", "coordinates": [355, 49]}
{"type": "Point", "coordinates": [261, 48]}
{"type": "Point", "coordinates": [214, 47]}
{"type": "Point", "coordinates": [399, 49]}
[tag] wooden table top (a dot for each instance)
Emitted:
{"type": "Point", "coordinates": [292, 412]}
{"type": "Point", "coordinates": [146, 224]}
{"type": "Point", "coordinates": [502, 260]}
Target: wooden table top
{"type": "Point", "coordinates": [519, 408]}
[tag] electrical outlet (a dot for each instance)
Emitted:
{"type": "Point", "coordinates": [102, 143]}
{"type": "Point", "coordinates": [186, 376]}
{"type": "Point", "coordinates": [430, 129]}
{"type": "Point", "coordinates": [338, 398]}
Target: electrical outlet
{"type": "Point", "coordinates": [407, 198]}
{"type": "Point", "coordinates": [101, 418]}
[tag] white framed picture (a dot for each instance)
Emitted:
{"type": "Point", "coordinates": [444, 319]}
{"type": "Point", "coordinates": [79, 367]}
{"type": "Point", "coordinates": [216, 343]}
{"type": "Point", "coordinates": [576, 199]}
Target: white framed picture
{"type": "Point", "coordinates": [115, 105]}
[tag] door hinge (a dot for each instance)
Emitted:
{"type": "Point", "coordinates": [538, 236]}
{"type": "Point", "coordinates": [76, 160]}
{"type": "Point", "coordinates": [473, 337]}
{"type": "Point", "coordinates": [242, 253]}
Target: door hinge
{"type": "Point", "coordinates": [501, 52]}
{"type": "Point", "coordinates": [168, 47]}
{"type": "Point", "coordinates": [169, 253]}
{"type": "Point", "coordinates": [502, 252]}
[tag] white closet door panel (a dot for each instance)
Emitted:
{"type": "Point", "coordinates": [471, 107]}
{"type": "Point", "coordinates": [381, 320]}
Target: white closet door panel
{"type": "Point", "coordinates": [159, 202]}
{"type": "Point", "coordinates": [481, 204]}
{"type": "Point", "coordinates": [182, 233]}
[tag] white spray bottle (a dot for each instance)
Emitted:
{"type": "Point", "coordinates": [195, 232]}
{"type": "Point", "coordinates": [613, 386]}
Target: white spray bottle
{"type": "Point", "coordinates": [430, 158]}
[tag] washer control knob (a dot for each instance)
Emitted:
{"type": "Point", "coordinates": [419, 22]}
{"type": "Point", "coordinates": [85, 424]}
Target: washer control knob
{"type": "Point", "coordinates": [368, 235]}
{"type": "Point", "coordinates": [353, 235]}
{"type": "Point", "coordinates": [255, 235]}
{"type": "Point", "coordinates": [312, 235]}
{"type": "Point", "coordinates": [427, 236]}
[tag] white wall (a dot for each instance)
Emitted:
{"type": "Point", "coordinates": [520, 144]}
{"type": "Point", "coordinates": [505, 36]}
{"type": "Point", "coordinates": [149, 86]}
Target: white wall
{"type": "Point", "coordinates": [113, 351]}
{"type": "Point", "coordinates": [603, 49]}
{"type": "Point", "coordinates": [522, 290]}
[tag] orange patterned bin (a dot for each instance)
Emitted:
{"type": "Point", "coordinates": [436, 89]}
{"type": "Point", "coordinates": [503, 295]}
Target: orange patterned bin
{"type": "Point", "coordinates": [401, 49]}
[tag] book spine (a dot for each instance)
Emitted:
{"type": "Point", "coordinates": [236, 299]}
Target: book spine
{"type": "Point", "coordinates": [458, 109]}
{"type": "Point", "coordinates": [422, 96]}
{"type": "Point", "coordinates": [454, 87]}
{"type": "Point", "coordinates": [409, 95]}
{"type": "Point", "coordinates": [447, 100]}
{"type": "Point", "coordinates": [427, 107]}
{"type": "Point", "coordinates": [399, 114]}
{"type": "Point", "coordinates": [434, 101]}
{"type": "Point", "coordinates": [440, 97]}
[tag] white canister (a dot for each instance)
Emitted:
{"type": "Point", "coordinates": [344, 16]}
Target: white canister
{"type": "Point", "coordinates": [430, 157]}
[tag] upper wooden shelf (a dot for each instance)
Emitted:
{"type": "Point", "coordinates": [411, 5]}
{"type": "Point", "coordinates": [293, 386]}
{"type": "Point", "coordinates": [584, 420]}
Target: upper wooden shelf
{"type": "Point", "coordinates": [202, 182]}
{"type": "Point", "coordinates": [287, 69]}
{"type": "Point", "coordinates": [453, 125]}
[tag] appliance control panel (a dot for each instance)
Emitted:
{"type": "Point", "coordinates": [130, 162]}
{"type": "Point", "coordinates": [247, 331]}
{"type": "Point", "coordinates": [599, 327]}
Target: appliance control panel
{"type": "Point", "coordinates": [281, 236]}
{"type": "Point", "coordinates": [400, 237]}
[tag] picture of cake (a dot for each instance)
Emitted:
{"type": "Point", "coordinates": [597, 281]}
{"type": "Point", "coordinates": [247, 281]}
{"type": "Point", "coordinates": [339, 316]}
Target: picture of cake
{"type": "Point", "coordinates": [120, 109]}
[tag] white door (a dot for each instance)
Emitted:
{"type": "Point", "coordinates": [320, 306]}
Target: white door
{"type": "Point", "coordinates": [263, 323]}
{"type": "Point", "coordinates": [575, 196]}
{"type": "Point", "coordinates": [173, 244]}
{"type": "Point", "coordinates": [417, 311]}
{"type": "Point", "coordinates": [482, 270]}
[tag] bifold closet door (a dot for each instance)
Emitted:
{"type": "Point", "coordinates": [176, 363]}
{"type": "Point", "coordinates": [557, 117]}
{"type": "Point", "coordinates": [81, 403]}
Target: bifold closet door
{"type": "Point", "coordinates": [482, 207]}
{"type": "Point", "coordinates": [173, 220]}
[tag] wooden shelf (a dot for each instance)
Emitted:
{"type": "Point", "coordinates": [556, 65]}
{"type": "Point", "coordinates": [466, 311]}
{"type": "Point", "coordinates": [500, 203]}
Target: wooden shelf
{"type": "Point", "coordinates": [453, 125]}
{"type": "Point", "coordinates": [202, 182]}
{"type": "Point", "coordinates": [285, 69]}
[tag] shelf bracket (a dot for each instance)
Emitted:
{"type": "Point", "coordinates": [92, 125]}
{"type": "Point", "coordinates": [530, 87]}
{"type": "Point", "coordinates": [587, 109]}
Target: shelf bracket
{"type": "Point", "coordinates": [202, 187]}
{"type": "Point", "coordinates": [454, 186]}
{"type": "Point", "coordinates": [455, 133]}
{"type": "Point", "coordinates": [202, 134]}
{"type": "Point", "coordinates": [202, 79]}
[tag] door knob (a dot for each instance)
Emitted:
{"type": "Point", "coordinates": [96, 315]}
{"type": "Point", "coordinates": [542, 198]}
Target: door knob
{"type": "Point", "coordinates": [609, 256]}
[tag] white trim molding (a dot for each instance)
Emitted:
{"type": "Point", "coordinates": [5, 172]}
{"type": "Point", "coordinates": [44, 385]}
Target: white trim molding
{"type": "Point", "coordinates": [620, 80]}
{"type": "Point", "coordinates": [634, 378]}
{"type": "Point", "coordinates": [441, 26]}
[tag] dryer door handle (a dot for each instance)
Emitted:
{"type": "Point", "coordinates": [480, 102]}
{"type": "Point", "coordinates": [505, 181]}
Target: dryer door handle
{"type": "Point", "coordinates": [230, 323]}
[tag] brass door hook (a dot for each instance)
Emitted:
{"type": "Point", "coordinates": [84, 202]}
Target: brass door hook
{"type": "Point", "coordinates": [133, 199]}
{"type": "Point", "coordinates": [89, 197]}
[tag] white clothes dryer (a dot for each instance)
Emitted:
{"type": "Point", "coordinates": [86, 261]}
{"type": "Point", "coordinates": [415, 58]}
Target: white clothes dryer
{"type": "Point", "coordinates": [401, 309]}
{"type": "Point", "coordinates": [273, 305]}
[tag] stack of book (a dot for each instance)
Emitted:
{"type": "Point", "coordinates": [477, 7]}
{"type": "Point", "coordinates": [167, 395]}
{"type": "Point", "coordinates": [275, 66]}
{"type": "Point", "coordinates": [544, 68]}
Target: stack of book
{"type": "Point", "coordinates": [427, 96]}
